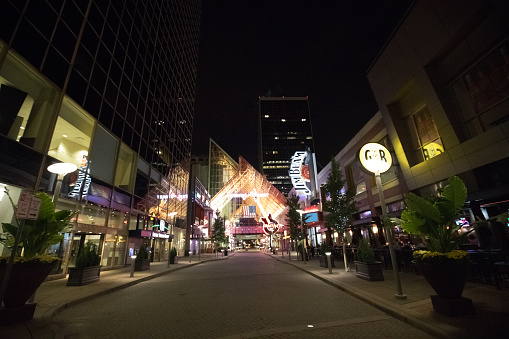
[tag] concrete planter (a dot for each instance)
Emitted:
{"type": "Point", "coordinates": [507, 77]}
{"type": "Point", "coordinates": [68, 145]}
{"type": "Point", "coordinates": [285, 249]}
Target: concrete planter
{"type": "Point", "coordinates": [83, 276]}
{"type": "Point", "coordinates": [141, 265]}
{"type": "Point", "coordinates": [370, 272]}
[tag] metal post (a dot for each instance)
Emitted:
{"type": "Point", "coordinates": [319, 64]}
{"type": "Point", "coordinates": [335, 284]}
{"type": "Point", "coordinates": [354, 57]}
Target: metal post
{"type": "Point", "coordinates": [400, 294]}
{"type": "Point", "coordinates": [190, 256]}
{"type": "Point", "coordinates": [133, 258]}
{"type": "Point", "coordinates": [329, 263]}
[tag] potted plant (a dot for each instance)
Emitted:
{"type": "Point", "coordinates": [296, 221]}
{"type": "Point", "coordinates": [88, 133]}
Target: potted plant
{"type": "Point", "coordinates": [324, 248]}
{"type": "Point", "coordinates": [30, 269]}
{"type": "Point", "coordinates": [366, 267]}
{"type": "Point", "coordinates": [443, 266]}
{"type": "Point", "coordinates": [173, 255]}
{"type": "Point", "coordinates": [142, 262]}
{"type": "Point", "coordinates": [87, 269]}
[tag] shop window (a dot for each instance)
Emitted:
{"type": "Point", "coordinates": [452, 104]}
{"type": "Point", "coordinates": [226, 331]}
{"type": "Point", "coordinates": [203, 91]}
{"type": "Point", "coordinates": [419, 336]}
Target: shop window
{"type": "Point", "coordinates": [425, 140]}
{"type": "Point", "coordinates": [27, 102]}
{"type": "Point", "coordinates": [103, 155]}
{"type": "Point", "coordinates": [114, 250]}
{"type": "Point", "coordinates": [73, 132]}
{"type": "Point", "coordinates": [482, 93]}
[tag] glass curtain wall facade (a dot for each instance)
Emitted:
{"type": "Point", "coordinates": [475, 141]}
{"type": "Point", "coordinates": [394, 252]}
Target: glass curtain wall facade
{"type": "Point", "coordinates": [285, 127]}
{"type": "Point", "coordinates": [108, 86]}
{"type": "Point", "coordinates": [221, 169]}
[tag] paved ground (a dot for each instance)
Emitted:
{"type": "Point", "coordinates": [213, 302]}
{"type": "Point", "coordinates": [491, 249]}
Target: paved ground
{"type": "Point", "coordinates": [220, 295]}
{"type": "Point", "coordinates": [250, 295]}
{"type": "Point", "coordinates": [491, 305]}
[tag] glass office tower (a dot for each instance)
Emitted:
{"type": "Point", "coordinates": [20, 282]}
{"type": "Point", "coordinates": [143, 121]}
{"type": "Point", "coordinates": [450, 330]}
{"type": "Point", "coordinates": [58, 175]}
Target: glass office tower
{"type": "Point", "coordinates": [108, 86]}
{"type": "Point", "coordinates": [284, 128]}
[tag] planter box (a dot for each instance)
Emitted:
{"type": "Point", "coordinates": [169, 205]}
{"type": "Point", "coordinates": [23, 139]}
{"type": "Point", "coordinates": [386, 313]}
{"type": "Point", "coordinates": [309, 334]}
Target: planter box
{"type": "Point", "coordinates": [83, 276]}
{"type": "Point", "coordinates": [141, 265]}
{"type": "Point", "coordinates": [324, 263]}
{"type": "Point", "coordinates": [371, 272]}
{"type": "Point", "coordinates": [174, 260]}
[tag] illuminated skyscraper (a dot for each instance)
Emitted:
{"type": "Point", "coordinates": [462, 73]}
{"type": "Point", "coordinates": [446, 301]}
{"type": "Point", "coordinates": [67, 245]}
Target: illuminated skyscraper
{"type": "Point", "coordinates": [108, 86]}
{"type": "Point", "coordinates": [284, 128]}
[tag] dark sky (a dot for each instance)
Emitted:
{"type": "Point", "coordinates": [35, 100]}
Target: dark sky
{"type": "Point", "coordinates": [319, 49]}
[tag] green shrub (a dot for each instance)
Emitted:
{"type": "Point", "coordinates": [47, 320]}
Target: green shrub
{"type": "Point", "coordinates": [88, 256]}
{"type": "Point", "coordinates": [365, 253]}
{"type": "Point", "coordinates": [173, 252]}
{"type": "Point", "coordinates": [142, 253]}
{"type": "Point", "coordinates": [324, 248]}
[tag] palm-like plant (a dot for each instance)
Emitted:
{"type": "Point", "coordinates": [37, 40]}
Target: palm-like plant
{"type": "Point", "coordinates": [38, 235]}
{"type": "Point", "coordinates": [434, 218]}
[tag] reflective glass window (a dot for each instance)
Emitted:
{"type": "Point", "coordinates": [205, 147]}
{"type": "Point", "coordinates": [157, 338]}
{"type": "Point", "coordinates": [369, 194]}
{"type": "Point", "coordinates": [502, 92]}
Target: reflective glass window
{"type": "Point", "coordinates": [27, 102]}
{"type": "Point", "coordinates": [124, 169]}
{"type": "Point", "coordinates": [72, 135]}
{"type": "Point", "coordinates": [103, 155]}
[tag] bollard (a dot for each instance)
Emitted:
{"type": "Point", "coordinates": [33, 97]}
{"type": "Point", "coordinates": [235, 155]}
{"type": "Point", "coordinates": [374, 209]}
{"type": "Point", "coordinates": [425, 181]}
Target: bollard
{"type": "Point", "coordinates": [133, 257]}
{"type": "Point", "coordinates": [190, 256]}
{"type": "Point", "coordinates": [329, 261]}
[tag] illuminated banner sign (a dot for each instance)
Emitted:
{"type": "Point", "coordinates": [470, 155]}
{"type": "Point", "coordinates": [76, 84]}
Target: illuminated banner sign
{"type": "Point", "coordinates": [375, 157]}
{"type": "Point", "coordinates": [299, 172]}
{"type": "Point", "coordinates": [84, 180]}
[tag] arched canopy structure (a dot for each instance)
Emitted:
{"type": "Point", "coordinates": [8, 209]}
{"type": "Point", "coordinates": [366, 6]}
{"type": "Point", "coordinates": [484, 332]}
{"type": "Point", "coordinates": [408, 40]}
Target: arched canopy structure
{"type": "Point", "coordinates": [250, 184]}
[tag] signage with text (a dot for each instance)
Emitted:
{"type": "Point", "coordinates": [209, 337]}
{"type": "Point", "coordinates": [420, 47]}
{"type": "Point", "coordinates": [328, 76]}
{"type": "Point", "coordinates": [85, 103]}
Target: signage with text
{"type": "Point", "coordinates": [375, 157]}
{"type": "Point", "coordinates": [299, 172]}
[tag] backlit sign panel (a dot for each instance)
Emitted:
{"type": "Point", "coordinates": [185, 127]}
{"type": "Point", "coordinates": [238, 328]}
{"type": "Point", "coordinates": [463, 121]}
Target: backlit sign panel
{"type": "Point", "coordinates": [375, 157]}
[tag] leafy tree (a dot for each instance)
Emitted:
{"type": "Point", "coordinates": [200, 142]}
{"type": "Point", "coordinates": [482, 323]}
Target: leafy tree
{"type": "Point", "coordinates": [218, 233]}
{"type": "Point", "coordinates": [294, 221]}
{"type": "Point", "coordinates": [338, 204]}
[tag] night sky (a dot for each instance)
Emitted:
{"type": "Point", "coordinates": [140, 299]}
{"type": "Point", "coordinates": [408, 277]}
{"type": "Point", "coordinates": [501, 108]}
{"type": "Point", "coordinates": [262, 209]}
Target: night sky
{"type": "Point", "coordinates": [320, 49]}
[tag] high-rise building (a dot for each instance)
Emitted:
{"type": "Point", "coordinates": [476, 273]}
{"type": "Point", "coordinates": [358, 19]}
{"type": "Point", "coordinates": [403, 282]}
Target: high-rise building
{"type": "Point", "coordinates": [108, 86]}
{"type": "Point", "coordinates": [284, 128]}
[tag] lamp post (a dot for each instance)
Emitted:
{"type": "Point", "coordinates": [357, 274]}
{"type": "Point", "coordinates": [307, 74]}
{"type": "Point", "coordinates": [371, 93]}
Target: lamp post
{"type": "Point", "coordinates": [61, 169]}
{"type": "Point", "coordinates": [377, 159]}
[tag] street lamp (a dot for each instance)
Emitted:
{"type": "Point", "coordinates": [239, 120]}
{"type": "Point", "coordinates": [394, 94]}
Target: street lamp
{"type": "Point", "coordinates": [61, 169]}
{"type": "Point", "coordinates": [377, 159]}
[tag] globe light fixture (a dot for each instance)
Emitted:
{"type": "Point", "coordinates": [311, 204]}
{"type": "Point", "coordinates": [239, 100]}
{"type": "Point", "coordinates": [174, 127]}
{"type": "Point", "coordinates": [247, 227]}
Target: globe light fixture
{"type": "Point", "coordinates": [62, 168]}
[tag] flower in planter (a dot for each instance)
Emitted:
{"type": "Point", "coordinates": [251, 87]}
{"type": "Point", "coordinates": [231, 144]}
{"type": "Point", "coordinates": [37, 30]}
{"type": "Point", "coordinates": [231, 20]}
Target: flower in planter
{"type": "Point", "coordinates": [429, 257]}
{"type": "Point", "coordinates": [35, 260]}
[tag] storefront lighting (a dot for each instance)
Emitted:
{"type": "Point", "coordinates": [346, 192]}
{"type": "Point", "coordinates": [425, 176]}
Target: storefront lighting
{"type": "Point", "coordinates": [375, 229]}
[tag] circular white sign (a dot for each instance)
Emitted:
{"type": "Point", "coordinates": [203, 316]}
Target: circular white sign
{"type": "Point", "coordinates": [375, 157]}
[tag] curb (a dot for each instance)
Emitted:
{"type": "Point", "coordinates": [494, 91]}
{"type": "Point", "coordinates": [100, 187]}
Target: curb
{"type": "Point", "coordinates": [395, 311]}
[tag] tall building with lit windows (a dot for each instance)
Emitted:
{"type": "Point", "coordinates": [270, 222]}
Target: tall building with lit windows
{"type": "Point", "coordinates": [108, 86]}
{"type": "Point", "coordinates": [284, 128]}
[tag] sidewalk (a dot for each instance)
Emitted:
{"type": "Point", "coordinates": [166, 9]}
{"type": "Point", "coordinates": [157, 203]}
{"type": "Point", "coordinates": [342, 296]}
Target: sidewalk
{"type": "Point", "coordinates": [491, 305]}
{"type": "Point", "coordinates": [54, 296]}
